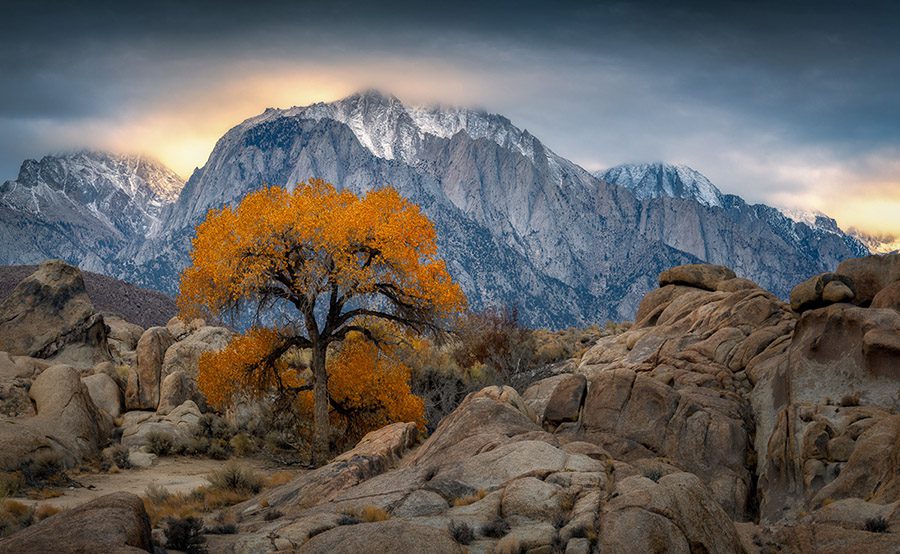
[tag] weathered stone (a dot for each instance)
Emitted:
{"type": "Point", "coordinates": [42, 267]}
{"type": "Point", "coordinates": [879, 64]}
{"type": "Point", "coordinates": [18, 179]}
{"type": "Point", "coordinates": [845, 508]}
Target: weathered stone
{"type": "Point", "coordinates": [49, 315]}
{"type": "Point", "coordinates": [701, 276]}
{"type": "Point", "coordinates": [184, 355]}
{"type": "Point", "coordinates": [531, 498]}
{"type": "Point", "coordinates": [870, 274]}
{"type": "Point", "coordinates": [566, 400]}
{"type": "Point", "coordinates": [835, 292]}
{"type": "Point", "coordinates": [888, 297]}
{"type": "Point", "coordinates": [811, 293]}
{"type": "Point", "coordinates": [142, 391]}
{"type": "Point", "coordinates": [104, 393]}
{"type": "Point", "coordinates": [176, 389]}
{"type": "Point", "coordinates": [391, 536]}
{"type": "Point", "coordinates": [116, 524]}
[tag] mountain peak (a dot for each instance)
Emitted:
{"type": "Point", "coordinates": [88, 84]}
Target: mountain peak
{"type": "Point", "coordinates": [660, 179]}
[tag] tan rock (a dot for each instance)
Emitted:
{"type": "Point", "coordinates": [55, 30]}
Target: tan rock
{"type": "Point", "coordinates": [184, 355]}
{"type": "Point", "coordinates": [391, 536]}
{"type": "Point", "coordinates": [870, 274]}
{"type": "Point", "coordinates": [116, 523]}
{"type": "Point", "coordinates": [835, 292]}
{"type": "Point", "coordinates": [177, 388]}
{"type": "Point", "coordinates": [105, 393]}
{"type": "Point", "coordinates": [531, 498]}
{"type": "Point", "coordinates": [702, 276]}
{"type": "Point", "coordinates": [142, 391]}
{"type": "Point", "coordinates": [888, 297]}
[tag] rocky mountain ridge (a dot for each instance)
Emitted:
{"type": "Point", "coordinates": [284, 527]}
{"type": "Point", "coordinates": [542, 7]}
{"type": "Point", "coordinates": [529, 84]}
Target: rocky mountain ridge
{"type": "Point", "coordinates": [519, 225]}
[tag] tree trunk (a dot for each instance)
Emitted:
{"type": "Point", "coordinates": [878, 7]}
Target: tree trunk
{"type": "Point", "coordinates": [320, 410]}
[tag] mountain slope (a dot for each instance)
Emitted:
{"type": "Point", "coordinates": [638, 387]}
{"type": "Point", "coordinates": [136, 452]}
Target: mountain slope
{"type": "Point", "coordinates": [518, 224]}
{"type": "Point", "coordinates": [85, 207]}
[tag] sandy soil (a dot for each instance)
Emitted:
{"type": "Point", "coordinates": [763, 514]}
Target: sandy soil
{"type": "Point", "coordinates": [177, 474]}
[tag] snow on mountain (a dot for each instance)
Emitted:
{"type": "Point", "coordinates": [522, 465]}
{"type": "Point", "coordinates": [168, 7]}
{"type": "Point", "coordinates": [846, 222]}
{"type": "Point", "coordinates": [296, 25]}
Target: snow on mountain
{"type": "Point", "coordinates": [877, 244]}
{"type": "Point", "coordinates": [655, 180]}
{"type": "Point", "coordinates": [83, 206]}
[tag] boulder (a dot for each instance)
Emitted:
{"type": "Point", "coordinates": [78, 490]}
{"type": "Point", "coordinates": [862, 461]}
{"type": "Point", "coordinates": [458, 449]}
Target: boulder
{"type": "Point", "coordinates": [49, 315]}
{"type": "Point", "coordinates": [391, 536]}
{"type": "Point", "coordinates": [822, 290]}
{"type": "Point", "coordinates": [122, 334]}
{"type": "Point", "coordinates": [531, 498]}
{"type": "Point", "coordinates": [176, 389]}
{"type": "Point", "coordinates": [179, 424]}
{"type": "Point", "coordinates": [105, 393]}
{"type": "Point", "coordinates": [701, 276]}
{"type": "Point", "coordinates": [142, 391]}
{"type": "Point", "coordinates": [116, 524]}
{"type": "Point", "coordinates": [676, 514]}
{"type": "Point", "coordinates": [870, 274]}
{"type": "Point", "coordinates": [184, 355]}
{"type": "Point", "coordinates": [566, 400]}
{"type": "Point", "coordinates": [888, 297]}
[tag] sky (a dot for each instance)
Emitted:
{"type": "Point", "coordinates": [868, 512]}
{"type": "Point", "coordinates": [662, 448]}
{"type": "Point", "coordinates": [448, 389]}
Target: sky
{"type": "Point", "coordinates": [795, 104]}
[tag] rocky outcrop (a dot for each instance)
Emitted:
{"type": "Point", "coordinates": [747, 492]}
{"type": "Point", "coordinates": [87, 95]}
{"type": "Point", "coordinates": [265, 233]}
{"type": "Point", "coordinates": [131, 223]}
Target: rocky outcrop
{"type": "Point", "coordinates": [821, 290]}
{"type": "Point", "coordinates": [142, 391]}
{"type": "Point", "coordinates": [49, 315]}
{"type": "Point", "coordinates": [870, 274]}
{"type": "Point", "coordinates": [105, 393]}
{"type": "Point", "coordinates": [115, 524]}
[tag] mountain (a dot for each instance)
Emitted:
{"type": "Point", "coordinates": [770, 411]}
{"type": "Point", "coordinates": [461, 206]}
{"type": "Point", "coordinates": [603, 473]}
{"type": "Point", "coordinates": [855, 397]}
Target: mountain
{"type": "Point", "coordinates": [877, 244]}
{"type": "Point", "coordinates": [519, 224]}
{"type": "Point", "coordinates": [655, 180]}
{"type": "Point", "coordinates": [85, 207]}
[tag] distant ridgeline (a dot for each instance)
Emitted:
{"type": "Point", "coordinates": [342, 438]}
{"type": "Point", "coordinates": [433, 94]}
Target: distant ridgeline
{"type": "Point", "coordinates": [518, 224]}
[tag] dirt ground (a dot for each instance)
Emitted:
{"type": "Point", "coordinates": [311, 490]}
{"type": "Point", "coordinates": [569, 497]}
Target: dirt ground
{"type": "Point", "coordinates": [177, 474]}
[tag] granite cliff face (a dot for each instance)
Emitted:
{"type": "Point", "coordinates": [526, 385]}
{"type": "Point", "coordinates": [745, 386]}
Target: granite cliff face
{"type": "Point", "coordinates": [519, 225]}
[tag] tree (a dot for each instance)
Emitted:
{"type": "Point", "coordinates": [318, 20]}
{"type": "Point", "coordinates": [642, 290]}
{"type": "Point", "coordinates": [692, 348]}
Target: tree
{"type": "Point", "coordinates": [339, 262]}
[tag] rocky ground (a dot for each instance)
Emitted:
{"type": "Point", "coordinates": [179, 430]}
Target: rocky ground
{"type": "Point", "coordinates": [723, 420]}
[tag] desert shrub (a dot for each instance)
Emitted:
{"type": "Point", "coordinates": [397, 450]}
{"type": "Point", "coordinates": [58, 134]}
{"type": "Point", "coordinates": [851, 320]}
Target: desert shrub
{"type": "Point", "coordinates": [279, 478]}
{"type": "Point", "coordinates": [222, 529]}
{"type": "Point", "coordinates": [118, 454]}
{"type": "Point", "coordinates": [876, 525]}
{"type": "Point", "coordinates": [470, 498]}
{"type": "Point", "coordinates": [653, 474]}
{"type": "Point", "coordinates": [11, 483]}
{"type": "Point", "coordinates": [42, 469]}
{"type": "Point", "coordinates": [236, 477]}
{"type": "Point", "coordinates": [560, 520]}
{"type": "Point", "coordinates": [508, 545]}
{"type": "Point", "coordinates": [156, 493]}
{"type": "Point", "coordinates": [182, 505]}
{"type": "Point", "coordinates": [557, 544]}
{"type": "Point", "coordinates": [185, 534]}
{"type": "Point", "coordinates": [44, 511]}
{"type": "Point", "coordinates": [213, 426]}
{"type": "Point", "coordinates": [348, 519]}
{"type": "Point", "coordinates": [14, 515]}
{"type": "Point", "coordinates": [242, 444]}
{"type": "Point", "coordinates": [461, 532]}
{"type": "Point", "coordinates": [160, 443]}
{"type": "Point", "coordinates": [369, 514]}
{"type": "Point", "coordinates": [496, 528]}
{"type": "Point", "coordinates": [193, 446]}
{"type": "Point", "coordinates": [218, 449]}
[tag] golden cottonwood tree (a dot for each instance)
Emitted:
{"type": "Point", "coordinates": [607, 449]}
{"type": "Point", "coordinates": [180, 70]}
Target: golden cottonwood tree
{"type": "Point", "coordinates": [339, 261]}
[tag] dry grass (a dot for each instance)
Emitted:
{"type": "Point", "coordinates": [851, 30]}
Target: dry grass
{"type": "Point", "coordinates": [508, 545]}
{"type": "Point", "coordinates": [161, 504]}
{"type": "Point", "coordinates": [14, 516]}
{"type": "Point", "coordinates": [471, 498]}
{"type": "Point", "coordinates": [44, 511]}
{"type": "Point", "coordinates": [279, 478]}
{"type": "Point", "coordinates": [369, 514]}
{"type": "Point", "coordinates": [236, 477]}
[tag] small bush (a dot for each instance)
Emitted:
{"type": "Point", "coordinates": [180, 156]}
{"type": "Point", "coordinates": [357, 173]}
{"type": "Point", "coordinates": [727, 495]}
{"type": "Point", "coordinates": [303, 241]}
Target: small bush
{"type": "Point", "coordinates": [560, 520]}
{"type": "Point", "coordinates": [11, 483]}
{"type": "Point", "coordinates": [508, 545]}
{"type": "Point", "coordinates": [348, 519]}
{"type": "Point", "coordinates": [44, 468]}
{"type": "Point", "coordinates": [44, 511]}
{"type": "Point", "coordinates": [222, 529]}
{"type": "Point", "coordinates": [160, 443]}
{"type": "Point", "coordinates": [118, 454]}
{"type": "Point", "coordinates": [236, 477]}
{"type": "Point", "coordinates": [193, 446]}
{"type": "Point", "coordinates": [156, 493]}
{"type": "Point", "coordinates": [371, 514]}
{"type": "Point", "coordinates": [14, 516]}
{"type": "Point", "coordinates": [185, 534]}
{"type": "Point", "coordinates": [876, 525]}
{"type": "Point", "coordinates": [242, 444]}
{"type": "Point", "coordinates": [496, 529]}
{"type": "Point", "coordinates": [654, 475]}
{"type": "Point", "coordinates": [461, 532]}
{"type": "Point", "coordinates": [470, 499]}
{"type": "Point", "coordinates": [849, 400]}
{"type": "Point", "coordinates": [218, 450]}
{"type": "Point", "coordinates": [212, 426]}
{"type": "Point", "coordinates": [279, 478]}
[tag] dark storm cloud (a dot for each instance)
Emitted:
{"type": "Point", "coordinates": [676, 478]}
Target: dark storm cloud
{"type": "Point", "coordinates": [601, 83]}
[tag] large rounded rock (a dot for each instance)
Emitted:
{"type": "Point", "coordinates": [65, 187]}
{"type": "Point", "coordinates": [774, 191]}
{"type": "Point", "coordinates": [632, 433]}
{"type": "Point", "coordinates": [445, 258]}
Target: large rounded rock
{"type": "Point", "coordinates": [701, 276]}
{"type": "Point", "coordinates": [888, 297]}
{"type": "Point", "coordinates": [176, 389]}
{"type": "Point", "coordinates": [105, 393]}
{"type": "Point", "coordinates": [49, 315]}
{"type": "Point", "coordinates": [870, 274]}
{"type": "Point", "coordinates": [678, 510]}
{"type": "Point", "coordinates": [142, 391]}
{"type": "Point", "coordinates": [822, 290]}
{"type": "Point", "coordinates": [184, 355]}
{"type": "Point", "coordinates": [116, 524]}
{"type": "Point", "coordinates": [392, 536]}
{"type": "Point", "coordinates": [531, 498]}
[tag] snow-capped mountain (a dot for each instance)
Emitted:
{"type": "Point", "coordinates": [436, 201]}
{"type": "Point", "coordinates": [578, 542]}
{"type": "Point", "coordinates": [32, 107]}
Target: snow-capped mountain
{"type": "Point", "coordinates": [518, 224]}
{"type": "Point", "coordinates": [83, 206]}
{"type": "Point", "coordinates": [655, 180]}
{"type": "Point", "coordinates": [877, 244]}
